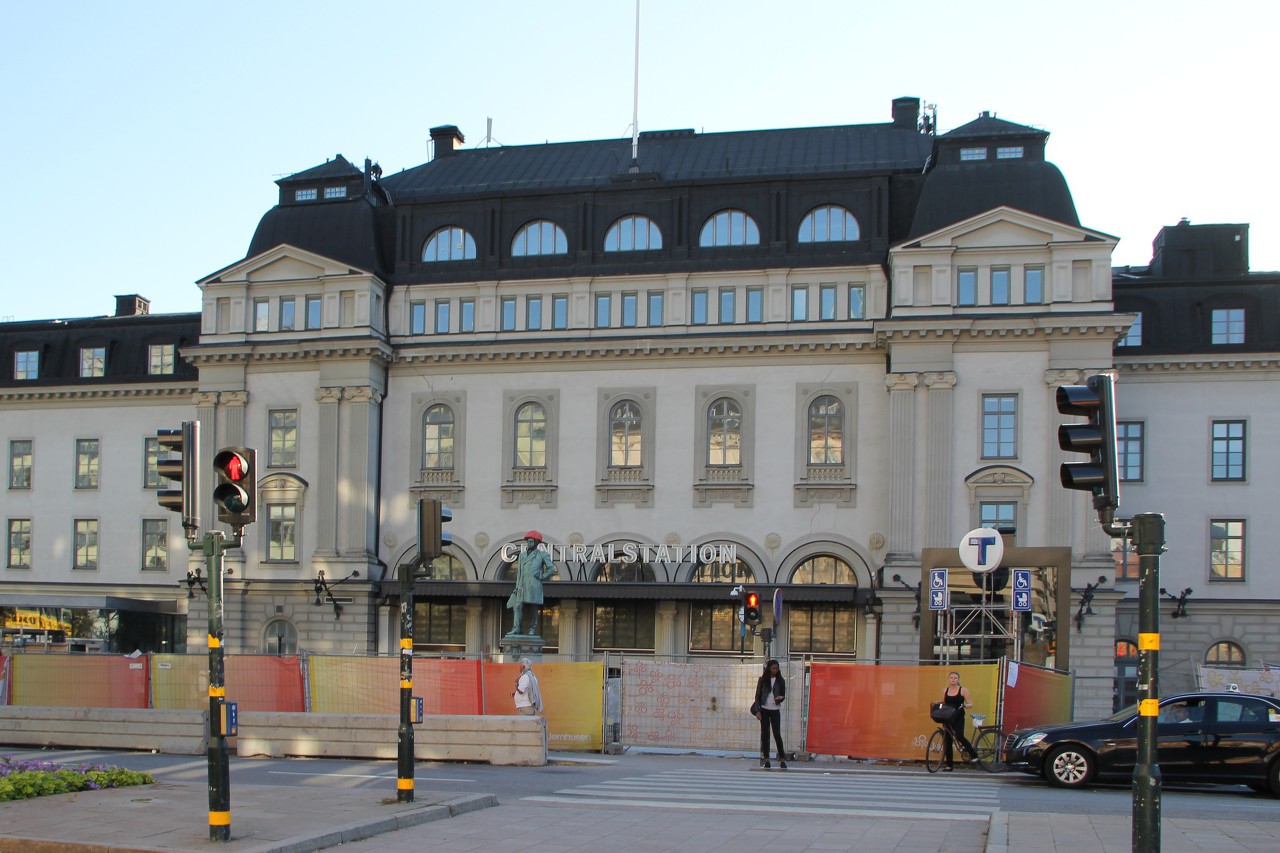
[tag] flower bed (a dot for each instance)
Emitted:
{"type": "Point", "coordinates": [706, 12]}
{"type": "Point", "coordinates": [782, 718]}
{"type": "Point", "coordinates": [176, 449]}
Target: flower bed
{"type": "Point", "coordinates": [21, 780]}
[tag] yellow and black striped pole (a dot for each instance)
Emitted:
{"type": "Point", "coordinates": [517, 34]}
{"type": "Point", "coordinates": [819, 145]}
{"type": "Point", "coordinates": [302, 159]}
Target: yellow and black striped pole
{"type": "Point", "coordinates": [1148, 536]}
{"type": "Point", "coordinates": [404, 749]}
{"type": "Point", "coordinates": [215, 545]}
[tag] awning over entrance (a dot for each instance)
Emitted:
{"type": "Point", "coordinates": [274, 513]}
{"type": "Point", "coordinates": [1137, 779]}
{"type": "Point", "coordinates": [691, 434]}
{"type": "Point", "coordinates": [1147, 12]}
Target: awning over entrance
{"type": "Point", "coordinates": [92, 602]}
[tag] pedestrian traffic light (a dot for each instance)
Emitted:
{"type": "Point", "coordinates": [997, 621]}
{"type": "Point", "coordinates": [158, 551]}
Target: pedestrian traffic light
{"type": "Point", "coordinates": [432, 540]}
{"type": "Point", "coordinates": [235, 496]}
{"type": "Point", "coordinates": [1094, 400]}
{"type": "Point", "coordinates": [182, 465]}
{"type": "Point", "coordinates": [751, 609]}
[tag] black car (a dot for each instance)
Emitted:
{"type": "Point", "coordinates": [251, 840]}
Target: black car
{"type": "Point", "coordinates": [1226, 738]}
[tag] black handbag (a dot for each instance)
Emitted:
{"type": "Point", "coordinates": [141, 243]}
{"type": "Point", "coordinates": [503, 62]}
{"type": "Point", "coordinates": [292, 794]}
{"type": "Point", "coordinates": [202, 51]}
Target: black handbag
{"type": "Point", "coordinates": [755, 708]}
{"type": "Point", "coordinates": [941, 712]}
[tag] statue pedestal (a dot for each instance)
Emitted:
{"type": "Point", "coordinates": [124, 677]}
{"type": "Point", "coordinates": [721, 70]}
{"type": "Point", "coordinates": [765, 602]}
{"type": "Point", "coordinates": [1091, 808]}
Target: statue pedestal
{"type": "Point", "coordinates": [516, 646]}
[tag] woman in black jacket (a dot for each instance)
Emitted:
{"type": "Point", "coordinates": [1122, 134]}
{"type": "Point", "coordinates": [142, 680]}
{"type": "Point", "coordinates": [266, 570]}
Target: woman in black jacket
{"type": "Point", "coordinates": [771, 690]}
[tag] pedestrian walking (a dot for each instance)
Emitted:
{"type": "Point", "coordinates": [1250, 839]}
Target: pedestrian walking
{"type": "Point", "coordinates": [771, 691]}
{"type": "Point", "coordinates": [528, 697]}
{"type": "Point", "coordinates": [956, 696]}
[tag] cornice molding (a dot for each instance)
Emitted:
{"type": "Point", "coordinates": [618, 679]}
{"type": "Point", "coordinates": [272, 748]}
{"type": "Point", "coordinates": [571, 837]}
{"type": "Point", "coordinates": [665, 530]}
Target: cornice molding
{"type": "Point", "coordinates": [1192, 364]}
{"type": "Point", "coordinates": [649, 348]}
{"type": "Point", "coordinates": [141, 392]}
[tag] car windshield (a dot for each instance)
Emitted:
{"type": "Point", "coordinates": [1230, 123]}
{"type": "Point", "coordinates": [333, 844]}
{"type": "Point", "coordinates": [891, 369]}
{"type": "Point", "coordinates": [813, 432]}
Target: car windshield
{"type": "Point", "coordinates": [1123, 714]}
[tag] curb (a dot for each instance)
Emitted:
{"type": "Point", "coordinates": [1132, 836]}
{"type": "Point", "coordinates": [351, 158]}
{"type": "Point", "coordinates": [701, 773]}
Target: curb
{"type": "Point", "coordinates": [998, 832]}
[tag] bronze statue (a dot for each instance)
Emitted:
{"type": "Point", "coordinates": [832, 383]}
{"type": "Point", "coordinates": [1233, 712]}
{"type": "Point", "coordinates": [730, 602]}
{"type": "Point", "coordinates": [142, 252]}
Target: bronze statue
{"type": "Point", "coordinates": [533, 566]}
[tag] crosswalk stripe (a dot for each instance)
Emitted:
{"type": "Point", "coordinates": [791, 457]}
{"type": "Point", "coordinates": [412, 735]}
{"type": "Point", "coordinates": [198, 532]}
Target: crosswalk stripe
{"type": "Point", "coordinates": [767, 807]}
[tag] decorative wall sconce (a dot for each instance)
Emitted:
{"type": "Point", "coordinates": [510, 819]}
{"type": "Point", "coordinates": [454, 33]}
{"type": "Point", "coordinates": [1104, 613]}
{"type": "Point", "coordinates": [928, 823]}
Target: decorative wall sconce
{"type": "Point", "coordinates": [324, 591]}
{"type": "Point", "coordinates": [915, 617]}
{"type": "Point", "coordinates": [1179, 602]}
{"type": "Point", "coordinates": [1086, 602]}
{"type": "Point", "coordinates": [193, 580]}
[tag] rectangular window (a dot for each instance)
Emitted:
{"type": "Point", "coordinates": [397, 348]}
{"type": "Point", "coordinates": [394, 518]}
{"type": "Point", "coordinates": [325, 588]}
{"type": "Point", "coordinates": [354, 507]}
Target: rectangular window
{"type": "Point", "coordinates": [86, 543]}
{"type": "Point", "coordinates": [20, 461]}
{"type": "Point", "coordinates": [713, 627]}
{"type": "Point", "coordinates": [287, 321]}
{"type": "Point", "coordinates": [282, 429]}
{"type": "Point", "coordinates": [467, 315]}
{"type": "Point", "coordinates": [440, 625]}
{"type": "Point", "coordinates": [1033, 285]}
{"type": "Point", "coordinates": [1228, 450]}
{"type": "Point", "coordinates": [261, 315]}
{"type": "Point", "coordinates": [1000, 287]}
{"type": "Point", "coordinates": [1228, 325]}
{"type": "Point", "coordinates": [857, 302]}
{"type": "Point", "coordinates": [417, 318]}
{"type": "Point", "coordinates": [560, 311]}
{"type": "Point", "coordinates": [19, 543]}
{"type": "Point", "coordinates": [507, 306]}
{"type": "Point", "coordinates": [1009, 152]}
{"type": "Point", "coordinates": [827, 302]}
{"type": "Point", "coordinates": [533, 313]}
{"type": "Point", "coordinates": [442, 316]}
{"type": "Point", "coordinates": [728, 305]}
{"type": "Point", "coordinates": [973, 153]}
{"type": "Point", "coordinates": [998, 515]}
{"type": "Point", "coordinates": [93, 362]}
{"type": "Point", "coordinates": [155, 544]}
{"type": "Point", "coordinates": [800, 303]}
{"type": "Point", "coordinates": [160, 359]}
{"type": "Point", "coordinates": [1226, 550]}
{"type": "Point", "coordinates": [26, 364]}
{"type": "Point", "coordinates": [755, 305]}
{"type": "Point", "coordinates": [1125, 558]}
{"type": "Point", "coordinates": [304, 195]}
{"type": "Point", "coordinates": [604, 310]}
{"type": "Point", "coordinates": [655, 308]}
{"type": "Point", "coordinates": [86, 463]}
{"type": "Point", "coordinates": [698, 307]}
{"type": "Point", "coordinates": [152, 453]}
{"type": "Point", "coordinates": [999, 426]}
{"type": "Point", "coordinates": [314, 316]}
{"type": "Point", "coordinates": [1129, 441]}
{"type": "Point", "coordinates": [335, 192]}
{"type": "Point", "coordinates": [281, 522]}
{"type": "Point", "coordinates": [630, 307]}
{"type": "Point", "coordinates": [826, 629]}
{"type": "Point", "coordinates": [625, 626]}
{"type": "Point", "coordinates": [1133, 337]}
{"type": "Point", "coordinates": [967, 287]}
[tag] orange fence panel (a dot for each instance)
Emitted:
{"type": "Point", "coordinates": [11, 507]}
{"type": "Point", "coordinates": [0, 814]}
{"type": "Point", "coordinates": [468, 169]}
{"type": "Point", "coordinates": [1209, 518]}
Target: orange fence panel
{"type": "Point", "coordinates": [84, 681]}
{"type": "Point", "coordinates": [883, 711]}
{"type": "Point", "coordinates": [572, 698]}
{"type": "Point", "coordinates": [253, 682]}
{"type": "Point", "coordinates": [1034, 696]}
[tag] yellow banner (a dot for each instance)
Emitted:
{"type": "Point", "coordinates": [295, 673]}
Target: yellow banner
{"type": "Point", "coordinates": [36, 620]}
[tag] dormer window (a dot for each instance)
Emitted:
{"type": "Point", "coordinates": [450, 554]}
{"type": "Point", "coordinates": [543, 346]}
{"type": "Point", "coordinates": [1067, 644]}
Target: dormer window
{"type": "Point", "coordinates": [335, 192]}
{"type": "Point", "coordinates": [1009, 152]}
{"type": "Point", "coordinates": [973, 153]}
{"type": "Point", "coordinates": [305, 195]}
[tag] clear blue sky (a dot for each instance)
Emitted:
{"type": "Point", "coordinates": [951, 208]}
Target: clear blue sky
{"type": "Point", "coordinates": [143, 139]}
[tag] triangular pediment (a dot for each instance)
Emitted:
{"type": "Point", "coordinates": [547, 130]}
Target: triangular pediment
{"type": "Point", "coordinates": [282, 263]}
{"type": "Point", "coordinates": [1005, 227]}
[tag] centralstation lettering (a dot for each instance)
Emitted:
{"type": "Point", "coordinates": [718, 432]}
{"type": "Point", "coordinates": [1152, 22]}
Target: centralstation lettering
{"type": "Point", "coordinates": [632, 553]}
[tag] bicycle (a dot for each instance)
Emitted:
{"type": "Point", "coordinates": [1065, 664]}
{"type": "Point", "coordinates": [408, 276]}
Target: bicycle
{"type": "Point", "coordinates": [986, 744]}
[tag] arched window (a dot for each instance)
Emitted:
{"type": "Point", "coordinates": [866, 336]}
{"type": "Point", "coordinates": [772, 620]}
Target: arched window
{"type": "Point", "coordinates": [531, 436]}
{"type": "Point", "coordinates": [824, 569]}
{"type": "Point", "coordinates": [729, 228]}
{"type": "Point", "coordinates": [830, 223]}
{"type": "Point", "coordinates": [633, 234]}
{"type": "Point", "coordinates": [280, 638]}
{"type": "Point", "coordinates": [721, 572]}
{"type": "Point", "coordinates": [826, 431]}
{"type": "Point", "coordinates": [724, 433]}
{"type": "Point", "coordinates": [540, 237]}
{"type": "Point", "coordinates": [625, 442]}
{"type": "Point", "coordinates": [445, 568]}
{"type": "Point", "coordinates": [625, 571]}
{"type": "Point", "coordinates": [1225, 653]}
{"type": "Point", "coordinates": [437, 438]}
{"type": "Point", "coordinates": [1125, 690]}
{"type": "Point", "coordinates": [450, 243]}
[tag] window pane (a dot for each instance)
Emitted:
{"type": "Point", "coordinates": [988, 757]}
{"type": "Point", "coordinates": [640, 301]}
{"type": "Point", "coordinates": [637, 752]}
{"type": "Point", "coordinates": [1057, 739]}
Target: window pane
{"type": "Point", "coordinates": [281, 520]}
{"type": "Point", "coordinates": [826, 431]}
{"type": "Point", "coordinates": [508, 313]}
{"type": "Point", "coordinates": [967, 287]}
{"type": "Point", "coordinates": [727, 295]}
{"type": "Point", "coordinates": [283, 428]}
{"type": "Point", "coordinates": [467, 320]}
{"type": "Point", "coordinates": [1228, 325]}
{"type": "Point", "coordinates": [1226, 550]}
{"type": "Point", "coordinates": [87, 463]}
{"type": "Point", "coordinates": [437, 438]}
{"type": "Point", "coordinates": [560, 312]}
{"type": "Point", "coordinates": [1228, 450]}
{"type": "Point", "coordinates": [1033, 285]}
{"type": "Point", "coordinates": [603, 309]}
{"type": "Point", "coordinates": [286, 315]}
{"type": "Point", "coordinates": [655, 308]}
{"type": "Point", "coordinates": [155, 543]}
{"type": "Point", "coordinates": [827, 301]}
{"type": "Point", "coordinates": [1000, 287]}
{"type": "Point", "coordinates": [698, 310]}
{"type": "Point", "coordinates": [999, 426]}
{"type": "Point", "coordinates": [19, 543]}
{"type": "Point", "coordinates": [629, 308]}
{"type": "Point", "coordinates": [442, 317]}
{"type": "Point", "coordinates": [625, 440]}
{"type": "Point", "coordinates": [1133, 337]}
{"type": "Point", "coordinates": [755, 305]}
{"type": "Point", "coordinates": [1129, 450]}
{"type": "Point", "coordinates": [857, 302]}
{"type": "Point", "coordinates": [20, 462]}
{"type": "Point", "coordinates": [531, 437]}
{"type": "Point", "coordinates": [800, 303]}
{"type": "Point", "coordinates": [724, 433]}
{"type": "Point", "coordinates": [533, 313]}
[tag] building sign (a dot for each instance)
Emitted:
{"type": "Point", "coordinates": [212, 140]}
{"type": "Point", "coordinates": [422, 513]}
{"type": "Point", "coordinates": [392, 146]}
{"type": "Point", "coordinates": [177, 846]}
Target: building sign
{"type": "Point", "coordinates": [1022, 590]}
{"type": "Point", "coordinates": [939, 596]}
{"type": "Point", "coordinates": [44, 619]}
{"type": "Point", "coordinates": [630, 552]}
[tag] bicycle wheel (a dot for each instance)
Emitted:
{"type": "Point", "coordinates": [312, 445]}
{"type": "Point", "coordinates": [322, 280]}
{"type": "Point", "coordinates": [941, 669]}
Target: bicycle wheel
{"type": "Point", "coordinates": [988, 747]}
{"type": "Point", "coordinates": [933, 752]}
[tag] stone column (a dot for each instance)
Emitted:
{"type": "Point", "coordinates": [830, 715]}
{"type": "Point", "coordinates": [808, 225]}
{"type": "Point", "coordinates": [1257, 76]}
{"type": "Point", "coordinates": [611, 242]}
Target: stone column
{"type": "Point", "coordinates": [475, 626]}
{"type": "Point", "coordinates": [358, 497]}
{"type": "Point", "coordinates": [938, 483]}
{"type": "Point", "coordinates": [233, 414]}
{"type": "Point", "coordinates": [902, 440]}
{"type": "Point", "coordinates": [326, 504]}
{"type": "Point", "coordinates": [665, 630]}
{"type": "Point", "coordinates": [570, 636]}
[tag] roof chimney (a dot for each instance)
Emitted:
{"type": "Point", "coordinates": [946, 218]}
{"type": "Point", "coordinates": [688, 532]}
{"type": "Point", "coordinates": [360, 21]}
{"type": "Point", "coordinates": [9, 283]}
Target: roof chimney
{"type": "Point", "coordinates": [906, 113]}
{"type": "Point", "coordinates": [132, 305]}
{"type": "Point", "coordinates": [445, 139]}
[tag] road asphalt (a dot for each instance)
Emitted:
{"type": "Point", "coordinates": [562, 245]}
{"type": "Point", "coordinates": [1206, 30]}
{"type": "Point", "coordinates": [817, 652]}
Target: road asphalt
{"type": "Point", "coordinates": [285, 819]}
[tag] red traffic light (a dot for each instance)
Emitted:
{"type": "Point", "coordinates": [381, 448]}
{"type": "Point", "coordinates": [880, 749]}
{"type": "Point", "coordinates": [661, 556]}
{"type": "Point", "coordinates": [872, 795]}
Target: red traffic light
{"type": "Point", "coordinates": [751, 609]}
{"type": "Point", "coordinates": [753, 599]}
{"type": "Point", "coordinates": [236, 468]}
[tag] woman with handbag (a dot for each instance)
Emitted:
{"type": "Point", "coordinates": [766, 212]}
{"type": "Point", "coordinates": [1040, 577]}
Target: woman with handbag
{"type": "Point", "coordinates": [956, 696]}
{"type": "Point", "coordinates": [771, 691]}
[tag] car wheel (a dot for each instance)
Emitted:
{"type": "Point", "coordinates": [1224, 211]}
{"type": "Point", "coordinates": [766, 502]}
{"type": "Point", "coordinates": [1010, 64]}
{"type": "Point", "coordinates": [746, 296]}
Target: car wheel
{"type": "Point", "coordinates": [1273, 777]}
{"type": "Point", "coordinates": [1069, 767]}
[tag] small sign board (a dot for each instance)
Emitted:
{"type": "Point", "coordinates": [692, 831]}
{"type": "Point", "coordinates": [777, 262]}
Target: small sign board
{"type": "Point", "coordinates": [417, 710]}
{"type": "Point", "coordinates": [777, 605]}
{"type": "Point", "coordinates": [230, 719]}
{"type": "Point", "coordinates": [1022, 590]}
{"type": "Point", "coordinates": [939, 596]}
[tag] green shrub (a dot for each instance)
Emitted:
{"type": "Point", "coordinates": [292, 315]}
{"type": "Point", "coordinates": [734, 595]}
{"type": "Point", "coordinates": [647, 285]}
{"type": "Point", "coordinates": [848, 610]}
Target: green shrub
{"type": "Point", "coordinates": [22, 780]}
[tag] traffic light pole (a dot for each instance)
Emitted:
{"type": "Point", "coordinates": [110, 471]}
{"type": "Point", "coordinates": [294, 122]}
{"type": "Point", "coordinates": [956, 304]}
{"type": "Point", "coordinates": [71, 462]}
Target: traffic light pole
{"type": "Point", "coordinates": [1148, 535]}
{"type": "Point", "coordinates": [214, 545]}
{"type": "Point", "coordinates": [404, 749]}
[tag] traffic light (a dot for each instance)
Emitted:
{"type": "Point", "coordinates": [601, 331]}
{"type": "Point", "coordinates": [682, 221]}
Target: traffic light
{"type": "Point", "coordinates": [182, 466]}
{"type": "Point", "coordinates": [751, 608]}
{"type": "Point", "coordinates": [1094, 400]}
{"type": "Point", "coordinates": [235, 496]}
{"type": "Point", "coordinates": [432, 540]}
